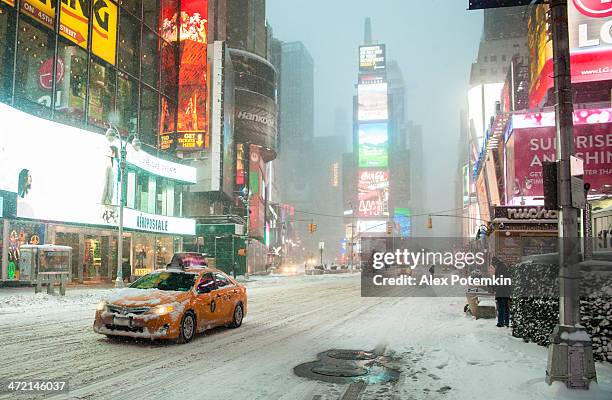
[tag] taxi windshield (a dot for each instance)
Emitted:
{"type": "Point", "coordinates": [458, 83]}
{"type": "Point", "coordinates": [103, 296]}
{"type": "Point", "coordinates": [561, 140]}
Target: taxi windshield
{"type": "Point", "coordinates": [171, 281]}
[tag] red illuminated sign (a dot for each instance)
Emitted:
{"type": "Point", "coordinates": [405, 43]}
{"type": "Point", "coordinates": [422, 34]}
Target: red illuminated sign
{"type": "Point", "coordinates": [532, 146]}
{"type": "Point", "coordinates": [192, 31]}
{"type": "Point", "coordinates": [45, 73]}
{"type": "Point", "coordinates": [373, 193]}
{"type": "Point", "coordinates": [594, 8]}
{"type": "Point", "coordinates": [590, 46]}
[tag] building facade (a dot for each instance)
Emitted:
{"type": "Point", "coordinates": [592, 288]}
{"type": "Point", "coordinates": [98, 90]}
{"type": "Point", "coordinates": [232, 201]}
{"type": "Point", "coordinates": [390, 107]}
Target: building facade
{"type": "Point", "coordinates": [66, 74]}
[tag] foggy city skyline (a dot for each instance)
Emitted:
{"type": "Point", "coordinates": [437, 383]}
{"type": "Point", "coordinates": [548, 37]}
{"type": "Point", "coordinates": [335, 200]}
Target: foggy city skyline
{"type": "Point", "coordinates": [434, 54]}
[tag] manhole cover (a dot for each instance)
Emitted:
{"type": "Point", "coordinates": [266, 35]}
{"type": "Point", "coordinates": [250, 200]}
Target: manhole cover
{"type": "Point", "coordinates": [351, 354]}
{"type": "Point", "coordinates": [341, 371]}
{"type": "Point", "coordinates": [348, 366]}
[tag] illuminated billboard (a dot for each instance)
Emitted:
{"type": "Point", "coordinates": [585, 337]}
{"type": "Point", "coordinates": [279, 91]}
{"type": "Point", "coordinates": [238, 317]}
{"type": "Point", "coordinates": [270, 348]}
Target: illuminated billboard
{"type": "Point", "coordinates": [403, 220]}
{"type": "Point", "coordinates": [257, 189]}
{"type": "Point", "coordinates": [192, 127]}
{"type": "Point", "coordinates": [372, 58]}
{"type": "Point", "coordinates": [589, 26]}
{"type": "Point", "coordinates": [373, 145]}
{"type": "Point", "coordinates": [373, 193]}
{"type": "Point", "coordinates": [533, 141]}
{"type": "Point", "coordinates": [77, 186]}
{"type": "Point", "coordinates": [75, 22]}
{"type": "Point", "coordinates": [372, 102]}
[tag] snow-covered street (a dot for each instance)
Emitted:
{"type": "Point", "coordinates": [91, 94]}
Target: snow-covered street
{"type": "Point", "coordinates": [442, 353]}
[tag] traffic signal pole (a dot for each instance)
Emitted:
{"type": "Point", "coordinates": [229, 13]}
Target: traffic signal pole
{"type": "Point", "coordinates": [570, 354]}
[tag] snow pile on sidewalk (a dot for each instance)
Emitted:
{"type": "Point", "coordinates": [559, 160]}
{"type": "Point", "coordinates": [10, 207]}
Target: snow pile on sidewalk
{"type": "Point", "coordinates": [79, 297]}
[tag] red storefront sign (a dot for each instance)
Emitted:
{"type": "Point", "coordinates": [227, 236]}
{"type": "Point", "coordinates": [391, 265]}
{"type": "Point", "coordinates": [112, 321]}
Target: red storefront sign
{"type": "Point", "coordinates": [529, 147]}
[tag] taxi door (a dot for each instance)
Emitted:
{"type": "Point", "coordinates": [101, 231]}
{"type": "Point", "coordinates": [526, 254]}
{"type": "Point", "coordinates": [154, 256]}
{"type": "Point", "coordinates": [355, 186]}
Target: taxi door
{"type": "Point", "coordinates": [226, 297]}
{"type": "Point", "coordinates": [207, 305]}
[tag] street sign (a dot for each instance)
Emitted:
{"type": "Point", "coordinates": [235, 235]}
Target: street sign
{"type": "Point", "coordinates": [480, 4]}
{"type": "Point", "coordinates": [321, 245]}
{"type": "Point", "coordinates": [191, 141]}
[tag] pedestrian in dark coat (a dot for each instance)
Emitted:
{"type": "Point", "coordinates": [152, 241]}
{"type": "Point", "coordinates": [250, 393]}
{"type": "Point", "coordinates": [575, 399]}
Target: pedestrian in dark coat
{"type": "Point", "coordinates": [503, 292]}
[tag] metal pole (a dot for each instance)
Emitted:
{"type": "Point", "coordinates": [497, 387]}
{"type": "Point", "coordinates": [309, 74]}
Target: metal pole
{"type": "Point", "coordinates": [248, 219]}
{"type": "Point", "coordinates": [122, 177]}
{"type": "Point", "coordinates": [233, 258]}
{"type": "Point", "coordinates": [570, 357]}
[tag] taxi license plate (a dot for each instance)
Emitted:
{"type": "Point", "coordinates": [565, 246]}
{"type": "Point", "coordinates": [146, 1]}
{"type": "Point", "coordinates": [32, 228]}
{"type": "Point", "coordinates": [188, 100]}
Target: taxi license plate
{"type": "Point", "coordinates": [121, 321]}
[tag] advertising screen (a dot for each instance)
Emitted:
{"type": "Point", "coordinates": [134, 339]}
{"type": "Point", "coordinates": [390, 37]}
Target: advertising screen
{"type": "Point", "coordinates": [66, 174]}
{"type": "Point", "coordinates": [373, 193]}
{"type": "Point", "coordinates": [372, 58]}
{"type": "Point", "coordinates": [104, 30]}
{"type": "Point", "coordinates": [255, 119]}
{"type": "Point", "coordinates": [589, 23]}
{"type": "Point", "coordinates": [257, 189]}
{"type": "Point", "coordinates": [193, 76]}
{"type": "Point", "coordinates": [373, 102]}
{"type": "Point", "coordinates": [403, 220]}
{"type": "Point", "coordinates": [373, 145]}
{"type": "Point", "coordinates": [532, 146]}
{"type": "Point", "coordinates": [483, 198]}
{"type": "Point", "coordinates": [532, 141]}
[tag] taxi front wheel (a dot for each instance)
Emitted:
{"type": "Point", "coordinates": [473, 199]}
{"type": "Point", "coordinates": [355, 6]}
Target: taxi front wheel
{"type": "Point", "coordinates": [237, 318]}
{"type": "Point", "coordinates": [188, 328]}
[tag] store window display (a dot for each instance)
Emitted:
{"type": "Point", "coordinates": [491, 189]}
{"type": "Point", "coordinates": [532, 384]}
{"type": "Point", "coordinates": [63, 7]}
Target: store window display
{"type": "Point", "coordinates": [143, 254]}
{"type": "Point", "coordinates": [21, 233]}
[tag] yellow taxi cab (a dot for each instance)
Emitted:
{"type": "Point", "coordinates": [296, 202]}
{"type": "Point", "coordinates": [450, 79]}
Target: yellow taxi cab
{"type": "Point", "coordinates": [173, 303]}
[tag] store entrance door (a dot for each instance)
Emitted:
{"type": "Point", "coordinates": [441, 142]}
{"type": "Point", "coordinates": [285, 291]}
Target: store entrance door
{"type": "Point", "coordinates": [92, 262]}
{"type": "Point", "coordinates": [72, 240]}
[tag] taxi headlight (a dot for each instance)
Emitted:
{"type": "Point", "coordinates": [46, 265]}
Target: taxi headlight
{"type": "Point", "coordinates": [162, 310]}
{"type": "Point", "coordinates": [102, 305]}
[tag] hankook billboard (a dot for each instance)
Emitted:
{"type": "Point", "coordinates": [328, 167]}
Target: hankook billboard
{"type": "Point", "coordinates": [255, 120]}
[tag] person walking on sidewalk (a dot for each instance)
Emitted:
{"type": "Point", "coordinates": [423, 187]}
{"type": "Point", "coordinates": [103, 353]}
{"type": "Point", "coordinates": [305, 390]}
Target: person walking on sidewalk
{"type": "Point", "coordinates": [432, 270]}
{"type": "Point", "coordinates": [502, 293]}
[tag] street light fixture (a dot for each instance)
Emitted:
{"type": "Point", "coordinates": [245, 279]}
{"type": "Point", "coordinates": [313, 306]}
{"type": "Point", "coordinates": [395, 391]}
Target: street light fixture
{"type": "Point", "coordinates": [112, 135]}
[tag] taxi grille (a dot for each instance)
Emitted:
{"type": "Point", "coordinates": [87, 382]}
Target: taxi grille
{"type": "Point", "coordinates": [127, 310]}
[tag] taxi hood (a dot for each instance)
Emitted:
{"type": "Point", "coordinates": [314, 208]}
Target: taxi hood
{"type": "Point", "coordinates": [131, 297]}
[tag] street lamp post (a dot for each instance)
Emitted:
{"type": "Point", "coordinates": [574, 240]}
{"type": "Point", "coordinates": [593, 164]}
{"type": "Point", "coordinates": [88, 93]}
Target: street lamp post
{"type": "Point", "coordinates": [570, 354]}
{"type": "Point", "coordinates": [112, 135]}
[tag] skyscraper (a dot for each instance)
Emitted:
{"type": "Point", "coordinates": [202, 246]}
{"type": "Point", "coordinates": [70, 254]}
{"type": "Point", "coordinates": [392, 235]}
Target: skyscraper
{"type": "Point", "coordinates": [296, 122]}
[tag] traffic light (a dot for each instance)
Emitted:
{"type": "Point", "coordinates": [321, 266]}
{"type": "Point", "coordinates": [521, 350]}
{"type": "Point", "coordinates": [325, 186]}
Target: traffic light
{"type": "Point", "coordinates": [312, 228]}
{"type": "Point", "coordinates": [389, 227]}
{"type": "Point", "coordinates": [429, 222]}
{"type": "Point", "coordinates": [242, 252]}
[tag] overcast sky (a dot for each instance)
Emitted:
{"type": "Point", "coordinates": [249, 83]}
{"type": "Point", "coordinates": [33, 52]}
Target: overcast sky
{"type": "Point", "coordinates": [434, 42]}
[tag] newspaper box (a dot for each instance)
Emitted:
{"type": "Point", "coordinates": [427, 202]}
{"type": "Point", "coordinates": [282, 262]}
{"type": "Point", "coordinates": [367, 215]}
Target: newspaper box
{"type": "Point", "coordinates": [46, 265]}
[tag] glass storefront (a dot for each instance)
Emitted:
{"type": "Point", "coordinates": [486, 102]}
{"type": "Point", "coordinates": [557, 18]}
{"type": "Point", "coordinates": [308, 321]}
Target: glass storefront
{"type": "Point", "coordinates": [122, 80]}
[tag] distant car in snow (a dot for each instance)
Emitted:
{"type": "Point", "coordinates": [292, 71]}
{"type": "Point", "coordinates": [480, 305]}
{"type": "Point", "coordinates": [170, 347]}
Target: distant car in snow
{"type": "Point", "coordinates": [173, 303]}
